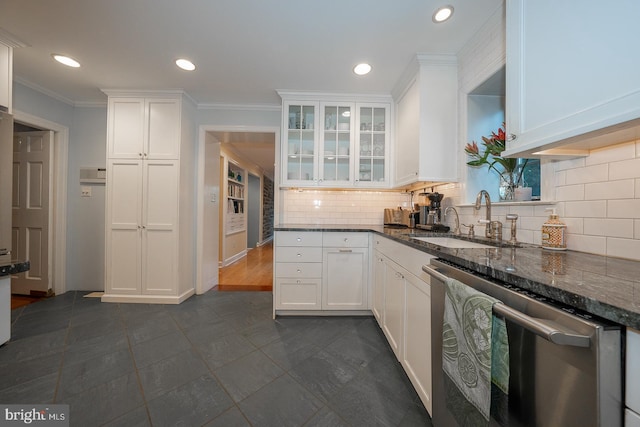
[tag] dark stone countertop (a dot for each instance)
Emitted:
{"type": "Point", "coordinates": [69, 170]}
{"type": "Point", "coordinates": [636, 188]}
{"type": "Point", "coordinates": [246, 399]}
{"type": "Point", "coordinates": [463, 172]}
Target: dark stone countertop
{"type": "Point", "coordinates": [14, 268]}
{"type": "Point", "coordinates": [603, 286]}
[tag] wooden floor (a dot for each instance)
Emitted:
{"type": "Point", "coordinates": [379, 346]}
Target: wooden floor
{"type": "Point", "coordinates": [22, 300]}
{"type": "Point", "coordinates": [254, 272]}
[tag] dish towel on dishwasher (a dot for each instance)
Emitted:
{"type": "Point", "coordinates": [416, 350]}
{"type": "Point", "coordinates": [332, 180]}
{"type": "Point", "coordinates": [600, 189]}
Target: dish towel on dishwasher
{"type": "Point", "coordinates": [475, 350]}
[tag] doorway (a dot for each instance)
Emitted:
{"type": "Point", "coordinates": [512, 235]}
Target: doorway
{"type": "Point", "coordinates": [58, 193]}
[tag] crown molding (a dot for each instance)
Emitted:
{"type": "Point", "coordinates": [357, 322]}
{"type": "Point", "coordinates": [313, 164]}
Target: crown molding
{"type": "Point", "coordinates": [10, 39]}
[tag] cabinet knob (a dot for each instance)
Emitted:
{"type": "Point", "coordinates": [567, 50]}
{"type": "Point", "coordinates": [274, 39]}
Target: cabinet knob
{"type": "Point", "coordinates": [139, 154]}
{"type": "Point", "coordinates": [346, 239]}
{"type": "Point", "coordinates": [512, 137]}
{"type": "Point", "coordinates": [299, 271]}
{"type": "Point", "coordinates": [298, 281]}
{"type": "Point", "coordinates": [299, 239]}
{"type": "Point", "coordinates": [298, 255]}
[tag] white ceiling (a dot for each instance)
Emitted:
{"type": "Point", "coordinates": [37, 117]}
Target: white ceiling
{"type": "Point", "coordinates": [244, 50]}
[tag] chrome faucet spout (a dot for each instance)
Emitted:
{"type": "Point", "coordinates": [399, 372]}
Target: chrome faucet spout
{"type": "Point", "coordinates": [456, 230]}
{"type": "Point", "coordinates": [487, 201]}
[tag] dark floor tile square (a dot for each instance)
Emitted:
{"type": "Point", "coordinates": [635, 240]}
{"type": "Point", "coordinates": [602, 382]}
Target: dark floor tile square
{"type": "Point", "coordinates": [231, 418]}
{"type": "Point", "coordinates": [210, 331]}
{"type": "Point", "coordinates": [246, 375]}
{"type": "Point", "coordinates": [32, 347]}
{"type": "Point", "coordinates": [290, 351]}
{"type": "Point", "coordinates": [226, 349]}
{"type": "Point", "coordinates": [416, 416]}
{"type": "Point", "coordinates": [353, 349]}
{"type": "Point", "coordinates": [104, 403]}
{"type": "Point", "coordinates": [39, 323]}
{"type": "Point", "coordinates": [159, 348]}
{"type": "Point", "coordinates": [191, 404]}
{"type": "Point", "coordinates": [18, 372]}
{"type": "Point", "coordinates": [266, 331]}
{"type": "Point", "coordinates": [147, 326]}
{"type": "Point", "coordinates": [39, 390]}
{"type": "Point", "coordinates": [160, 377]}
{"type": "Point", "coordinates": [79, 377]}
{"type": "Point", "coordinates": [139, 417]}
{"type": "Point", "coordinates": [325, 417]}
{"type": "Point", "coordinates": [90, 347]}
{"type": "Point", "coordinates": [79, 331]}
{"type": "Point", "coordinates": [323, 374]}
{"type": "Point", "coordinates": [281, 403]}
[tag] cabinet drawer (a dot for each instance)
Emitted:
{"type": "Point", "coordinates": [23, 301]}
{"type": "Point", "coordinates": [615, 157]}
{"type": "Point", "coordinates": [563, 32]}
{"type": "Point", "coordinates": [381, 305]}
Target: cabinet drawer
{"type": "Point", "coordinates": [301, 254]}
{"type": "Point", "coordinates": [298, 238]}
{"type": "Point", "coordinates": [298, 269]}
{"type": "Point", "coordinates": [633, 370]}
{"type": "Point", "coordinates": [345, 240]}
{"type": "Point", "coordinates": [298, 294]}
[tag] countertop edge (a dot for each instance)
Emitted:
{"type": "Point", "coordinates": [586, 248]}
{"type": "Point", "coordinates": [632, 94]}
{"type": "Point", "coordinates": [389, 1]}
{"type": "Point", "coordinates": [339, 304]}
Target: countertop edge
{"type": "Point", "coordinates": [14, 268]}
{"type": "Point", "coordinates": [590, 305]}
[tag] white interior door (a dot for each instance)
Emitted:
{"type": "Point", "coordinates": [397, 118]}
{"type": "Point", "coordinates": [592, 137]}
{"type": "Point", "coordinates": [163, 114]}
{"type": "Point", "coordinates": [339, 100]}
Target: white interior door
{"type": "Point", "coordinates": [31, 215]}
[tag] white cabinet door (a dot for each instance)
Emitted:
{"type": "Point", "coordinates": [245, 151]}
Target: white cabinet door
{"type": "Point", "coordinates": [379, 271]}
{"type": "Point", "coordinates": [345, 279]}
{"type": "Point", "coordinates": [300, 143]}
{"type": "Point", "coordinates": [335, 155]}
{"type": "Point", "coordinates": [124, 227]}
{"type": "Point", "coordinates": [417, 337]}
{"type": "Point", "coordinates": [568, 74]}
{"type": "Point", "coordinates": [159, 227]}
{"type": "Point", "coordinates": [631, 419]}
{"type": "Point", "coordinates": [126, 128]}
{"type": "Point", "coordinates": [372, 144]}
{"type": "Point", "coordinates": [142, 128]}
{"type": "Point", "coordinates": [394, 307]}
{"type": "Point", "coordinates": [298, 294]}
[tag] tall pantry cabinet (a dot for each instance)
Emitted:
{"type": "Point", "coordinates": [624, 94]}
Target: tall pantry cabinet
{"type": "Point", "coordinates": [150, 198]}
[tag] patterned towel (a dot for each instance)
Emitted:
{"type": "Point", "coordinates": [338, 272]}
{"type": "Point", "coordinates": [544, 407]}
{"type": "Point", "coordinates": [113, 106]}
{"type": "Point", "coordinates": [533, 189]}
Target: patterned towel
{"type": "Point", "coordinates": [474, 347]}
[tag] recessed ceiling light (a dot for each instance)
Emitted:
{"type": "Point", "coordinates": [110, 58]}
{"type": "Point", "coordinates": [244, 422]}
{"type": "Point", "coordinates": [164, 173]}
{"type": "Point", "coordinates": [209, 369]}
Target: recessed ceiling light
{"type": "Point", "coordinates": [442, 14]}
{"type": "Point", "coordinates": [68, 61]}
{"type": "Point", "coordinates": [362, 69]}
{"type": "Point", "coordinates": [185, 64]}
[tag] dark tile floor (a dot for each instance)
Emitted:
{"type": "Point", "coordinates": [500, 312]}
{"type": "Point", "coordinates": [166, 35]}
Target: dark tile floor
{"type": "Point", "coordinates": [217, 359]}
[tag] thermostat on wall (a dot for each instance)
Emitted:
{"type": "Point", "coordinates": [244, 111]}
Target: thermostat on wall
{"type": "Point", "coordinates": [93, 175]}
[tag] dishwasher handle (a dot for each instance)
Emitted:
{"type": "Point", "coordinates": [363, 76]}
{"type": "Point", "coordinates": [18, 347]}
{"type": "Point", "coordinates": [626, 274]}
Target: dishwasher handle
{"type": "Point", "coordinates": [537, 326]}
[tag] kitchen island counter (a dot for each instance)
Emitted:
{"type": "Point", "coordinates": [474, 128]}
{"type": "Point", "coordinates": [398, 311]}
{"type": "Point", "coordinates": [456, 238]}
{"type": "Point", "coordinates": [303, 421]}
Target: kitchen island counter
{"type": "Point", "coordinates": [14, 268]}
{"type": "Point", "coordinates": [598, 285]}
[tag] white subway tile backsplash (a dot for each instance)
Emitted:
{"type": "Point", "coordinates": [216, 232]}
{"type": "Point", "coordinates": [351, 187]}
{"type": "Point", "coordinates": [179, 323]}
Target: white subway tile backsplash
{"type": "Point", "coordinates": [595, 173]}
{"type": "Point", "coordinates": [623, 248]}
{"type": "Point", "coordinates": [622, 189]}
{"type": "Point", "coordinates": [590, 244]}
{"type": "Point", "coordinates": [609, 227]}
{"type": "Point", "coordinates": [586, 209]}
{"type": "Point", "coordinates": [623, 208]}
{"type": "Point", "coordinates": [625, 169]}
{"type": "Point", "coordinates": [570, 192]}
{"type": "Point", "coordinates": [574, 225]}
{"type": "Point", "coordinates": [616, 153]}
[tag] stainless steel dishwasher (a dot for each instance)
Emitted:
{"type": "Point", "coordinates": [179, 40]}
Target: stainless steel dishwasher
{"type": "Point", "coordinates": [565, 366]}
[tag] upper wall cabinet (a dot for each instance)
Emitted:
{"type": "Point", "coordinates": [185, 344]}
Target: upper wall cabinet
{"type": "Point", "coordinates": [143, 128]}
{"type": "Point", "coordinates": [335, 141]}
{"type": "Point", "coordinates": [426, 147]}
{"type": "Point", "coordinates": [572, 76]}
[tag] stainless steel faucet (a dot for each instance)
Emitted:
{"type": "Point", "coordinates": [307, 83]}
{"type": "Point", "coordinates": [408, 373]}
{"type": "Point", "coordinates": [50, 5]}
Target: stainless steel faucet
{"type": "Point", "coordinates": [456, 230]}
{"type": "Point", "coordinates": [487, 201]}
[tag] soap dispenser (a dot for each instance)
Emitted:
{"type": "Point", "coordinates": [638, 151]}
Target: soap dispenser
{"type": "Point", "coordinates": [553, 232]}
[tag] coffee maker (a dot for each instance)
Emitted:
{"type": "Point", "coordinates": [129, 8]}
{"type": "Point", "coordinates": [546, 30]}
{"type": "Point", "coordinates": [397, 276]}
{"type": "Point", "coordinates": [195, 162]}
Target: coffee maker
{"type": "Point", "coordinates": [431, 214]}
{"type": "Point", "coordinates": [434, 206]}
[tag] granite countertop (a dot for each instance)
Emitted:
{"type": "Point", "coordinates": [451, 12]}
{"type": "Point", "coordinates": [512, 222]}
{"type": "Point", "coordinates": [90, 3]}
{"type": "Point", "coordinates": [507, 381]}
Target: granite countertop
{"type": "Point", "coordinates": [14, 268]}
{"type": "Point", "coordinates": [602, 286]}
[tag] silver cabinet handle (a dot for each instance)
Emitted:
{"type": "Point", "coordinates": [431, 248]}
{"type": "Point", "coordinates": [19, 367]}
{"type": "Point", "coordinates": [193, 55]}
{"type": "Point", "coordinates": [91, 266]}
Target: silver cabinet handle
{"type": "Point", "coordinates": [345, 250]}
{"type": "Point", "coordinates": [532, 324]}
{"type": "Point", "coordinates": [298, 271]}
{"type": "Point", "coordinates": [512, 137]}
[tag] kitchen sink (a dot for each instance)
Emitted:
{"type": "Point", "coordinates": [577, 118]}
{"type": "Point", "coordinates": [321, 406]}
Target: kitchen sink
{"type": "Point", "coordinates": [449, 242]}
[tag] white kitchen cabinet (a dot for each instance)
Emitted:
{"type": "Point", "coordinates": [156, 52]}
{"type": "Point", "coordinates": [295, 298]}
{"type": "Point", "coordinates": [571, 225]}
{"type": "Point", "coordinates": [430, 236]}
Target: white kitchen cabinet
{"type": "Point", "coordinates": [298, 270]}
{"type": "Point", "coordinates": [426, 144]}
{"type": "Point", "coordinates": [403, 293]}
{"type": "Point", "coordinates": [416, 354]}
{"type": "Point", "coordinates": [632, 373]}
{"type": "Point", "coordinates": [335, 141]}
{"type": "Point", "coordinates": [345, 271]}
{"type": "Point", "coordinates": [569, 77]}
{"type": "Point", "coordinates": [143, 128]}
{"type": "Point", "coordinates": [149, 249]}
{"type": "Point", "coordinates": [393, 323]}
{"type": "Point", "coordinates": [379, 276]}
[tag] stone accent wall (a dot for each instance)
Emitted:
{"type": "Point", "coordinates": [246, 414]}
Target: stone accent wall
{"type": "Point", "coordinates": [267, 208]}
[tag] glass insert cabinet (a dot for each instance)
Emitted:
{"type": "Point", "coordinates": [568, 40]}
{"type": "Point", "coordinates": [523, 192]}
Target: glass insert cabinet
{"type": "Point", "coordinates": [335, 144]}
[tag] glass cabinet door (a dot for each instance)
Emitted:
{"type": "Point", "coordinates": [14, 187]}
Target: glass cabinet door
{"type": "Point", "coordinates": [335, 156]}
{"type": "Point", "coordinates": [372, 131]}
{"type": "Point", "coordinates": [301, 143]}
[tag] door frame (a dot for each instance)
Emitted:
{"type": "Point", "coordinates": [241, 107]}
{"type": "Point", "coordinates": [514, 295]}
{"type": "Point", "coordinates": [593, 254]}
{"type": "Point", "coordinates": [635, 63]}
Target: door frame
{"type": "Point", "coordinates": [201, 286]}
{"type": "Point", "coordinates": [58, 231]}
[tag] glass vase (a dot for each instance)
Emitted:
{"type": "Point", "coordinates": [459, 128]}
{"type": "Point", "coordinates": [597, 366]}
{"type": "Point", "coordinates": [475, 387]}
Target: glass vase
{"type": "Point", "coordinates": [507, 187]}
